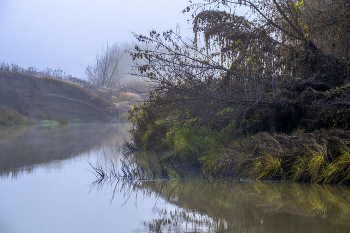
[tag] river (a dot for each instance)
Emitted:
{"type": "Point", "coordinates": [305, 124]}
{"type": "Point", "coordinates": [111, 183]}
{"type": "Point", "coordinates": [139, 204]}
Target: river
{"type": "Point", "coordinates": [47, 185]}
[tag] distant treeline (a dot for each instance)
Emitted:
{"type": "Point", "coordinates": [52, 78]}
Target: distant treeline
{"type": "Point", "coordinates": [57, 73]}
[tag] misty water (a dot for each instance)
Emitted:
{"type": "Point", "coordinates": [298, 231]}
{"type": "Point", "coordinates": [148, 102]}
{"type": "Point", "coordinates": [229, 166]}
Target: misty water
{"type": "Point", "coordinates": [46, 185]}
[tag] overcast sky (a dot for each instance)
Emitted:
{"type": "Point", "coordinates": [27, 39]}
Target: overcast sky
{"type": "Point", "coordinates": [67, 34]}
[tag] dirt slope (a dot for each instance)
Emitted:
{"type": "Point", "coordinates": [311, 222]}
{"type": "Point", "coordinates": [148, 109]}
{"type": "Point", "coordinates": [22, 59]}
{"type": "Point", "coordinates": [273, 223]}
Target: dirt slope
{"type": "Point", "coordinates": [32, 95]}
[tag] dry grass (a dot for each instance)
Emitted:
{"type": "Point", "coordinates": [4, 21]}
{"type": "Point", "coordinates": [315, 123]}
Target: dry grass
{"type": "Point", "coordinates": [303, 157]}
{"type": "Point", "coordinates": [315, 164]}
{"type": "Point", "coordinates": [338, 171]}
{"type": "Point", "coordinates": [127, 96]}
{"type": "Point", "coordinates": [267, 167]}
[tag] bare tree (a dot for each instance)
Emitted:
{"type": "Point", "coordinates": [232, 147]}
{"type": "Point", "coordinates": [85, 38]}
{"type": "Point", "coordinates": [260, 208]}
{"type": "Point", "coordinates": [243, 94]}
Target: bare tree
{"type": "Point", "coordinates": [105, 71]}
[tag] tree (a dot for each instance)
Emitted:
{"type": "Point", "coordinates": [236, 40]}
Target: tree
{"type": "Point", "coordinates": [281, 68]}
{"type": "Point", "coordinates": [329, 26]}
{"type": "Point", "coordinates": [106, 71]}
{"type": "Point", "coordinates": [259, 59]}
{"type": "Point", "coordinates": [325, 23]}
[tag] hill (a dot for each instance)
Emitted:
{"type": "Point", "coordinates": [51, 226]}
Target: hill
{"type": "Point", "coordinates": [37, 96]}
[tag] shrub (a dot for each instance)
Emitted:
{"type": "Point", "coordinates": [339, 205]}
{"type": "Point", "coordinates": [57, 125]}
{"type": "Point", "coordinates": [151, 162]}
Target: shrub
{"type": "Point", "coordinates": [114, 99]}
{"type": "Point", "coordinates": [63, 120]}
{"type": "Point", "coordinates": [105, 93]}
{"type": "Point", "coordinates": [10, 117]}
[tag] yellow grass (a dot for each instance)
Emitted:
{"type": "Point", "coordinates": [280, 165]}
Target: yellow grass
{"type": "Point", "coordinates": [127, 96]}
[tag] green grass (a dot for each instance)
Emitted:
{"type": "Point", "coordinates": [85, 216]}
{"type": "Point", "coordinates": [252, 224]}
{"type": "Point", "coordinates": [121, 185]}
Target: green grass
{"type": "Point", "coordinates": [48, 123]}
{"type": "Point", "coordinates": [77, 120]}
{"type": "Point", "coordinates": [49, 119]}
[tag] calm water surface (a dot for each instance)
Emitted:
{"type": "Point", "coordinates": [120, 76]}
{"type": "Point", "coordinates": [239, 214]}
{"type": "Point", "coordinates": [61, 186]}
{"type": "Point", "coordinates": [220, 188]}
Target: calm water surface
{"type": "Point", "coordinates": [45, 186]}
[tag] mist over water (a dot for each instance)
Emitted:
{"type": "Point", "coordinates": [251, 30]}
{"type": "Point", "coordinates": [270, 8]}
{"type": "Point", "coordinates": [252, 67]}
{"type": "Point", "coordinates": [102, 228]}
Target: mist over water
{"type": "Point", "coordinates": [46, 185]}
{"type": "Point", "coordinates": [24, 149]}
{"type": "Point", "coordinates": [45, 181]}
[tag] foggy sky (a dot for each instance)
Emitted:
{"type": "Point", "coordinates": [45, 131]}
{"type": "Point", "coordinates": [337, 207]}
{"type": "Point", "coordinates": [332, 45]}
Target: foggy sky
{"type": "Point", "coordinates": [67, 34]}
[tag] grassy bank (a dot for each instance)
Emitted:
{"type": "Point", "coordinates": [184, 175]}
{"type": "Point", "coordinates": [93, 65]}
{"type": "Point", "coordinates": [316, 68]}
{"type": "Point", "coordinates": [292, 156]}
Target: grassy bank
{"type": "Point", "coordinates": [225, 145]}
{"type": "Point", "coordinates": [319, 157]}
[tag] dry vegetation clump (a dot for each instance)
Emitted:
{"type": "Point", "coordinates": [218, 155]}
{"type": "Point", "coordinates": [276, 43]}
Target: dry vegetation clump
{"type": "Point", "coordinates": [139, 87]}
{"type": "Point", "coordinates": [105, 93]}
{"type": "Point", "coordinates": [127, 96]}
{"type": "Point", "coordinates": [319, 157]}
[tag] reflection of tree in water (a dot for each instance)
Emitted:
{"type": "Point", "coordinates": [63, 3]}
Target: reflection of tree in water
{"type": "Point", "coordinates": [130, 174]}
{"type": "Point", "coordinates": [198, 205]}
{"type": "Point", "coordinates": [181, 220]}
{"type": "Point", "coordinates": [167, 215]}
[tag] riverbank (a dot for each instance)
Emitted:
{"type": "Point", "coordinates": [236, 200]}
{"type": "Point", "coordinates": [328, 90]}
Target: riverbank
{"type": "Point", "coordinates": [322, 156]}
{"type": "Point", "coordinates": [299, 132]}
{"type": "Point", "coordinates": [28, 99]}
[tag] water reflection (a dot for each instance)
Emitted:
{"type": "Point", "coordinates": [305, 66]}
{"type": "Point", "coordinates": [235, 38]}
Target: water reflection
{"type": "Point", "coordinates": [256, 206]}
{"type": "Point", "coordinates": [177, 205]}
{"type": "Point", "coordinates": [230, 206]}
{"type": "Point", "coordinates": [24, 149]}
{"type": "Point", "coordinates": [55, 196]}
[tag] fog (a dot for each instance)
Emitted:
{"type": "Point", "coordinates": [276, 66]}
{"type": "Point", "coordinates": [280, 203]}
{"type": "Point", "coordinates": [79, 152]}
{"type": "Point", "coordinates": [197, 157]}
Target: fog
{"type": "Point", "coordinates": [67, 34]}
{"type": "Point", "coordinates": [23, 148]}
